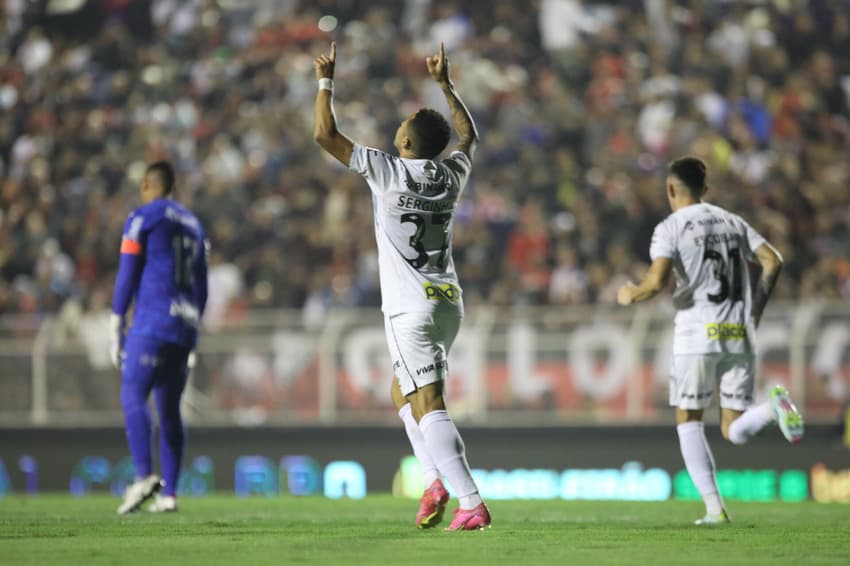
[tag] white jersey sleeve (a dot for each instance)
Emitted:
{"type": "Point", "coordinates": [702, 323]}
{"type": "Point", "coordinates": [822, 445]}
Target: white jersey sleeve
{"type": "Point", "coordinates": [753, 239]}
{"type": "Point", "coordinates": [459, 167]}
{"type": "Point", "coordinates": [374, 165]}
{"type": "Point", "coordinates": [663, 242]}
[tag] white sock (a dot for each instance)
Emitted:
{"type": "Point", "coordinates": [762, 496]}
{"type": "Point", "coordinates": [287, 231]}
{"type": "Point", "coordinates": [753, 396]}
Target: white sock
{"type": "Point", "coordinates": [446, 447]}
{"type": "Point", "coordinates": [417, 442]}
{"type": "Point", "coordinates": [750, 423]}
{"type": "Point", "coordinates": [700, 464]}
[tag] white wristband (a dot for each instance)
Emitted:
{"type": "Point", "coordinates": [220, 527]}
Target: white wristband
{"type": "Point", "coordinates": [326, 84]}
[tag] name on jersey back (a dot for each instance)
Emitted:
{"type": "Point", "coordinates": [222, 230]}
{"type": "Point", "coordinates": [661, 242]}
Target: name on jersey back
{"type": "Point", "coordinates": [425, 205]}
{"type": "Point", "coordinates": [186, 220]}
{"type": "Point", "coordinates": [716, 239]}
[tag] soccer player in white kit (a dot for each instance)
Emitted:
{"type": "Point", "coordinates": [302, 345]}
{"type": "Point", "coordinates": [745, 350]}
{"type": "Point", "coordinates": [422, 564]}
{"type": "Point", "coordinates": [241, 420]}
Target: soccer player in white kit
{"type": "Point", "coordinates": [414, 197]}
{"type": "Point", "coordinates": [708, 248]}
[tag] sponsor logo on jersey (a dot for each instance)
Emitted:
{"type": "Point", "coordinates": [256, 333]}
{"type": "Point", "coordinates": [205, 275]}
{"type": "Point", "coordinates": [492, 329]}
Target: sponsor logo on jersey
{"type": "Point", "coordinates": [446, 291]}
{"type": "Point", "coordinates": [436, 366]}
{"type": "Point", "coordinates": [433, 187]}
{"type": "Point", "coordinates": [710, 221]}
{"type": "Point", "coordinates": [185, 310]}
{"type": "Point", "coordinates": [726, 331]}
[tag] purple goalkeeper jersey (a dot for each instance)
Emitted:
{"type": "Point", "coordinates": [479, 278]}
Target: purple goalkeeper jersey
{"type": "Point", "coordinates": [164, 267]}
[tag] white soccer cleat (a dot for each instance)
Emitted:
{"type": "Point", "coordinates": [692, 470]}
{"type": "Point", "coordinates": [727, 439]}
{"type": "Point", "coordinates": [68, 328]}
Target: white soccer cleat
{"type": "Point", "coordinates": [719, 519]}
{"type": "Point", "coordinates": [163, 504]}
{"type": "Point", "coordinates": [139, 492]}
{"type": "Point", "coordinates": [787, 416]}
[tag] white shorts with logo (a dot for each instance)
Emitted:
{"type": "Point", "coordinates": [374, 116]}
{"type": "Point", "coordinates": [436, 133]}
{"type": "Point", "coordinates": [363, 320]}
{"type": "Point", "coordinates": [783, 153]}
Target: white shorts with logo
{"type": "Point", "coordinates": [419, 345]}
{"type": "Point", "coordinates": [694, 377]}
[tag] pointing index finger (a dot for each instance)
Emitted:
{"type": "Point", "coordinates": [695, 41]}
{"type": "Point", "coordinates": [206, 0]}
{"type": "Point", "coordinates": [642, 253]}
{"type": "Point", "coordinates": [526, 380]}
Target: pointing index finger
{"type": "Point", "coordinates": [442, 51]}
{"type": "Point", "coordinates": [333, 50]}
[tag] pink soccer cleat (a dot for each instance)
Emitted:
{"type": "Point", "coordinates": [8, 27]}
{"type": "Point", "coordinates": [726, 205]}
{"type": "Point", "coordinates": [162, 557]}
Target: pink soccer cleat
{"type": "Point", "coordinates": [432, 505]}
{"type": "Point", "coordinates": [471, 519]}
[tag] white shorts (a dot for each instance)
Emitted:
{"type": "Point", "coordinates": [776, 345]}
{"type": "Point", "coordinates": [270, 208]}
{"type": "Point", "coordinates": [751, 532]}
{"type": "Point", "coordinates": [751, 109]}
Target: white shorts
{"type": "Point", "coordinates": [419, 345]}
{"type": "Point", "coordinates": [694, 377]}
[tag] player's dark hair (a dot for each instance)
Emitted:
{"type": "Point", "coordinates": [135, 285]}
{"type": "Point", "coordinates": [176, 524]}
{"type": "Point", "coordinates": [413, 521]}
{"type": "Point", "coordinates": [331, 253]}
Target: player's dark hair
{"type": "Point", "coordinates": [691, 171]}
{"type": "Point", "coordinates": [165, 175]}
{"type": "Point", "coordinates": [431, 133]}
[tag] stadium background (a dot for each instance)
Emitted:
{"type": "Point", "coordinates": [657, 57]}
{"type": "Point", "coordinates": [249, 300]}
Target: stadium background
{"type": "Point", "coordinates": [580, 106]}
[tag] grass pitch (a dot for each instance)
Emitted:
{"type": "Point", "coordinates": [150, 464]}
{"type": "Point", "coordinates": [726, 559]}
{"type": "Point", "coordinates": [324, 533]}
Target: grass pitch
{"type": "Point", "coordinates": [378, 530]}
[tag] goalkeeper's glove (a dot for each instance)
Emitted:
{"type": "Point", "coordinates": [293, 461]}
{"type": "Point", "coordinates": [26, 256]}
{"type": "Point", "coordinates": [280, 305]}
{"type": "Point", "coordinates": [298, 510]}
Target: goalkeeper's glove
{"type": "Point", "coordinates": [116, 339]}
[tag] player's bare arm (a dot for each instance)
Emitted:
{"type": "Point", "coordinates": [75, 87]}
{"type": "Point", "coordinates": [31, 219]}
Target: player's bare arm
{"type": "Point", "coordinates": [438, 68]}
{"type": "Point", "coordinates": [771, 266]}
{"type": "Point", "coordinates": [325, 130]}
{"type": "Point", "coordinates": [654, 282]}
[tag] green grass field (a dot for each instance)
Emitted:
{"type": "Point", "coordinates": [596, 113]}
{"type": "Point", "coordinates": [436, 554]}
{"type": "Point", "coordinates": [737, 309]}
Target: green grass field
{"type": "Point", "coordinates": [287, 530]}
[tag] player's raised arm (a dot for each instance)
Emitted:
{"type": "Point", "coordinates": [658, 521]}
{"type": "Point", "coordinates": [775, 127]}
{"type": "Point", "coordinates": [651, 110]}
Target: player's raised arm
{"type": "Point", "coordinates": [438, 68]}
{"type": "Point", "coordinates": [654, 282]}
{"type": "Point", "coordinates": [325, 130]}
{"type": "Point", "coordinates": [771, 265]}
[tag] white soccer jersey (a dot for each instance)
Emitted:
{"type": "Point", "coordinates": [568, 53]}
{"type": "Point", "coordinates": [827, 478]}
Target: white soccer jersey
{"type": "Point", "coordinates": [710, 248]}
{"type": "Point", "coordinates": [414, 202]}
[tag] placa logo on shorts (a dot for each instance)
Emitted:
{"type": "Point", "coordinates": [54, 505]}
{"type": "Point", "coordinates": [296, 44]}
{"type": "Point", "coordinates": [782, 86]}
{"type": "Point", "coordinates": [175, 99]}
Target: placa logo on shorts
{"type": "Point", "coordinates": [726, 331]}
{"type": "Point", "coordinates": [446, 291]}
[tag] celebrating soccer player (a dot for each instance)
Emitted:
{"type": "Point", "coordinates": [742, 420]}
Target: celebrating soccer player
{"type": "Point", "coordinates": [414, 197]}
{"type": "Point", "coordinates": [714, 342]}
{"type": "Point", "coordinates": [164, 267]}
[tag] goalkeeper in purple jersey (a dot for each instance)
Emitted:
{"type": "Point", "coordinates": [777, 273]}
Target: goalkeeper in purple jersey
{"type": "Point", "coordinates": [163, 271]}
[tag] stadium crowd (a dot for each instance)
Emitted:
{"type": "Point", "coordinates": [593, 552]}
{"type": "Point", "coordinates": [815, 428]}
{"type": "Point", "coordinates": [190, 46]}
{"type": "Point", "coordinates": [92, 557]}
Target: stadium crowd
{"type": "Point", "coordinates": [580, 107]}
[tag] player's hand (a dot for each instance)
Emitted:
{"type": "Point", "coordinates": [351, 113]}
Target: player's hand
{"type": "Point", "coordinates": [116, 340]}
{"type": "Point", "coordinates": [325, 64]}
{"type": "Point", "coordinates": [116, 353]}
{"type": "Point", "coordinates": [438, 66]}
{"type": "Point", "coordinates": [626, 294]}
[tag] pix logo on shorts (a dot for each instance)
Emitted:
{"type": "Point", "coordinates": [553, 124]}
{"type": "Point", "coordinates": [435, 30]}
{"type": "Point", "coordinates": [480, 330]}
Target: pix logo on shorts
{"type": "Point", "coordinates": [725, 331]}
{"type": "Point", "coordinates": [446, 291]}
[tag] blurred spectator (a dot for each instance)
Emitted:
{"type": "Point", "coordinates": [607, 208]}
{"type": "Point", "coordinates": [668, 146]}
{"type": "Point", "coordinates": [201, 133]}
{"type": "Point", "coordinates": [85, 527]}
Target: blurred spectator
{"type": "Point", "coordinates": [35, 52]}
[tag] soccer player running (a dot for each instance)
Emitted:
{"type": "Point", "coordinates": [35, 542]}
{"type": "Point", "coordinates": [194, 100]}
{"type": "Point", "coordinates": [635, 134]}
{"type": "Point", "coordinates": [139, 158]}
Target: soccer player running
{"type": "Point", "coordinates": [714, 341]}
{"type": "Point", "coordinates": [414, 198]}
{"type": "Point", "coordinates": [163, 267]}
